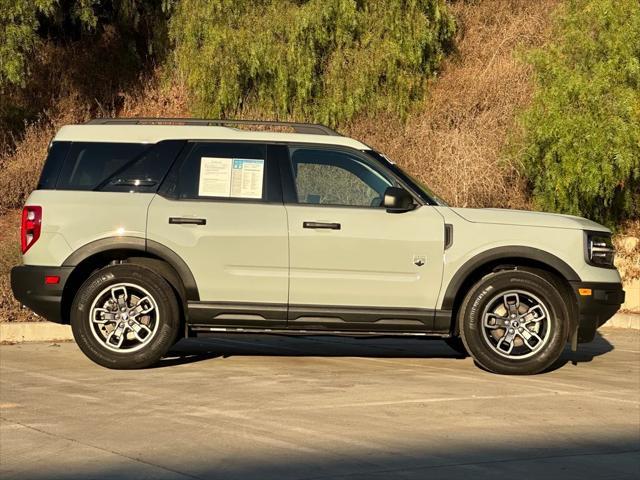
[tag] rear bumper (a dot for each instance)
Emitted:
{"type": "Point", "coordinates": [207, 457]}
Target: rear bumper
{"type": "Point", "coordinates": [595, 309]}
{"type": "Point", "coordinates": [29, 288]}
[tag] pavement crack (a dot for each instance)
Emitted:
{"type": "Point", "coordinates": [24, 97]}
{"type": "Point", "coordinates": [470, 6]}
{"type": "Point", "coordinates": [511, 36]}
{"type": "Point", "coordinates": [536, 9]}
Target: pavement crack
{"type": "Point", "coordinates": [106, 450]}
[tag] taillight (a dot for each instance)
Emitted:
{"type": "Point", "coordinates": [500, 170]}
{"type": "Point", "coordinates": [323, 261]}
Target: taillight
{"type": "Point", "coordinates": [30, 228]}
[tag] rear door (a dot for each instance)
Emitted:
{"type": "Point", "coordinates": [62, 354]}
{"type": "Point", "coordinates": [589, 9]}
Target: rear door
{"type": "Point", "coordinates": [353, 265]}
{"type": "Point", "coordinates": [220, 209]}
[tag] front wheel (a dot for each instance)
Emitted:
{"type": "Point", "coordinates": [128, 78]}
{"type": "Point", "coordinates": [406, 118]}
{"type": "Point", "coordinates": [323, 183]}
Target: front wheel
{"type": "Point", "coordinates": [125, 316]}
{"type": "Point", "coordinates": [515, 321]}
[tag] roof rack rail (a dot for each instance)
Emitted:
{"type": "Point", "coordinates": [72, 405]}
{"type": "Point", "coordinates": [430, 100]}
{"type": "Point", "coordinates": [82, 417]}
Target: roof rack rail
{"type": "Point", "coordinates": [308, 128]}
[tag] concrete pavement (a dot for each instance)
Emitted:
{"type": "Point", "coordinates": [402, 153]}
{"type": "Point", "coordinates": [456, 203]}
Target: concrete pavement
{"type": "Point", "coordinates": [317, 408]}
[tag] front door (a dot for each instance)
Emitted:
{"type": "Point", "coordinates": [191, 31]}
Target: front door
{"type": "Point", "coordinates": [353, 265]}
{"type": "Point", "coordinates": [220, 209]}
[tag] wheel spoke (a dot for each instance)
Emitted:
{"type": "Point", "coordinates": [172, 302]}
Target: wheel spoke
{"type": "Point", "coordinates": [531, 339]}
{"type": "Point", "coordinates": [506, 340]}
{"type": "Point", "coordinates": [534, 314]}
{"type": "Point", "coordinates": [106, 316]}
{"type": "Point", "coordinates": [120, 296]}
{"type": "Point", "coordinates": [493, 321]}
{"type": "Point", "coordinates": [143, 307]}
{"type": "Point", "coordinates": [511, 302]}
{"type": "Point", "coordinates": [141, 332]}
{"type": "Point", "coordinates": [116, 337]}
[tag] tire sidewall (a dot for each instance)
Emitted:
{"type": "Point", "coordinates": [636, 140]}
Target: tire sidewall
{"type": "Point", "coordinates": [161, 292]}
{"type": "Point", "coordinates": [484, 292]}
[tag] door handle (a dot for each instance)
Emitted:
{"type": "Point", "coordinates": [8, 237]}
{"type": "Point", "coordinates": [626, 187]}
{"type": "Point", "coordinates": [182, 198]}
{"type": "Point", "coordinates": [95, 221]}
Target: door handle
{"type": "Point", "coordinates": [187, 221]}
{"type": "Point", "coordinates": [328, 226]}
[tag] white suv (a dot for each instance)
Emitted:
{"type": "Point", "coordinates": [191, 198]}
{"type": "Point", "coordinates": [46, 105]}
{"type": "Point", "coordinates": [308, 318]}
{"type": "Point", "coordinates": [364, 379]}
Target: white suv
{"type": "Point", "coordinates": [142, 231]}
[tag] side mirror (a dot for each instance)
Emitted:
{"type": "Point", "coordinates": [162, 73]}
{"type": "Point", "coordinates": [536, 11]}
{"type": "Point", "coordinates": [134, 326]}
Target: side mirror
{"type": "Point", "coordinates": [397, 200]}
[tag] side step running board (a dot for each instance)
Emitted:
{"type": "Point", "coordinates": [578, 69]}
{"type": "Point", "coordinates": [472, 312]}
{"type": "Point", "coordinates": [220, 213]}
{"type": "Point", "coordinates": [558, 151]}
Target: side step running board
{"type": "Point", "coordinates": [284, 331]}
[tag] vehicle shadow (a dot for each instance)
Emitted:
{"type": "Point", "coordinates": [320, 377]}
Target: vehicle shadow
{"type": "Point", "coordinates": [585, 354]}
{"type": "Point", "coordinates": [226, 345]}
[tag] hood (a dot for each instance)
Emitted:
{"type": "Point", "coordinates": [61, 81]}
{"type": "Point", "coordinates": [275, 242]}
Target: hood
{"type": "Point", "coordinates": [526, 218]}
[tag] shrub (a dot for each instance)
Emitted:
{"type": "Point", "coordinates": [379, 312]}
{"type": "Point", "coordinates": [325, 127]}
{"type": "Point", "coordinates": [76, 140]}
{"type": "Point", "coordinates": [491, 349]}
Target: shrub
{"type": "Point", "coordinates": [582, 132]}
{"type": "Point", "coordinates": [319, 59]}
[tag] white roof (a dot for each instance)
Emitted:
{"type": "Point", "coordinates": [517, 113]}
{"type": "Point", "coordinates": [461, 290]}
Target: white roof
{"type": "Point", "coordinates": [155, 133]}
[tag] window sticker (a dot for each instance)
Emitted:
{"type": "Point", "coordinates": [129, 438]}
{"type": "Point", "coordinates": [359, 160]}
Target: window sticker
{"type": "Point", "coordinates": [231, 177]}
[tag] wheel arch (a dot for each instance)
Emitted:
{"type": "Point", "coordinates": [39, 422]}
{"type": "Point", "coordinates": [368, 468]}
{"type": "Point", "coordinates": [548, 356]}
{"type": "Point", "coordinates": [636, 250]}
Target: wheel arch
{"type": "Point", "coordinates": [147, 253]}
{"type": "Point", "coordinates": [504, 258]}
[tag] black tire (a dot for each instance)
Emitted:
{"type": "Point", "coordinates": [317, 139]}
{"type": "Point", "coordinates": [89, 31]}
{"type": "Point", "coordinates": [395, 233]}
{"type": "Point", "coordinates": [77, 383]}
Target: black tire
{"type": "Point", "coordinates": [487, 345]}
{"type": "Point", "coordinates": [151, 350]}
{"type": "Point", "coordinates": [456, 344]}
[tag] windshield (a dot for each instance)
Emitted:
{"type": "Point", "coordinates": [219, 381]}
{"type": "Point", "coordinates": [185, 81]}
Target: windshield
{"type": "Point", "coordinates": [420, 188]}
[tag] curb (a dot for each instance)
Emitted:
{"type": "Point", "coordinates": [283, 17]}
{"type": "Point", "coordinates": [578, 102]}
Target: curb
{"type": "Point", "coordinates": [624, 320]}
{"type": "Point", "coordinates": [49, 332]}
{"type": "Point", "coordinates": [34, 332]}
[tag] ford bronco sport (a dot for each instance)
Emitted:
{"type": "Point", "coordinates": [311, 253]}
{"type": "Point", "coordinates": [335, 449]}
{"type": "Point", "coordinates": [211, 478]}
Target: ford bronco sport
{"type": "Point", "coordinates": [142, 231]}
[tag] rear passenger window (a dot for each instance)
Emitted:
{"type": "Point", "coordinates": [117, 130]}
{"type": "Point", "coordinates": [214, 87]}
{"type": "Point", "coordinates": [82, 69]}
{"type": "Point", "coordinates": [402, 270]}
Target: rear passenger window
{"type": "Point", "coordinates": [223, 170]}
{"type": "Point", "coordinates": [89, 164]}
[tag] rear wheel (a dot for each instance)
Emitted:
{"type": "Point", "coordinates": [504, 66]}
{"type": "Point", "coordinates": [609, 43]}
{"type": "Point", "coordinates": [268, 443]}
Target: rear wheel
{"type": "Point", "coordinates": [515, 321]}
{"type": "Point", "coordinates": [125, 316]}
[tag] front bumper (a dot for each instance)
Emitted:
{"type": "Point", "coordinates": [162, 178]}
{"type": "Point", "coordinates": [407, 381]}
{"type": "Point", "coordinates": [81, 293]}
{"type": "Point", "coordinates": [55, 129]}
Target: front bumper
{"type": "Point", "coordinates": [598, 307]}
{"type": "Point", "coordinates": [29, 288]}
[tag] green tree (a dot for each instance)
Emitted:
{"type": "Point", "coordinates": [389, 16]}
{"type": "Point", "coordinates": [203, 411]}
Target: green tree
{"type": "Point", "coordinates": [582, 133]}
{"type": "Point", "coordinates": [18, 36]}
{"type": "Point", "coordinates": [324, 60]}
{"type": "Point", "coordinates": [24, 22]}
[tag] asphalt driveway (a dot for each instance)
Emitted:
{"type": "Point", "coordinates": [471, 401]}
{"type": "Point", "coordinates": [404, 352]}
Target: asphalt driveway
{"type": "Point", "coordinates": [317, 408]}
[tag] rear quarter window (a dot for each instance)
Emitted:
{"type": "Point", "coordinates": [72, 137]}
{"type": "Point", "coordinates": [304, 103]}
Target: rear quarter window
{"type": "Point", "coordinates": [52, 165]}
{"type": "Point", "coordinates": [89, 164]}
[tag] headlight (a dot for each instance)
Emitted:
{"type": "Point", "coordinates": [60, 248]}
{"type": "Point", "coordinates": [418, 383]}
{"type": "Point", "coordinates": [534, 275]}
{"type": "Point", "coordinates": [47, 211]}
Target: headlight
{"type": "Point", "coordinates": [599, 249]}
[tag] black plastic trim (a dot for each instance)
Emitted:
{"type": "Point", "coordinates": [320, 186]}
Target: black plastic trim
{"type": "Point", "coordinates": [103, 245]}
{"type": "Point", "coordinates": [594, 310]}
{"type": "Point", "coordinates": [208, 329]}
{"type": "Point", "coordinates": [141, 245]}
{"type": "Point", "coordinates": [498, 253]}
{"type": "Point", "coordinates": [321, 317]}
{"type": "Point", "coordinates": [237, 314]}
{"type": "Point", "coordinates": [27, 284]}
{"type": "Point", "coordinates": [448, 235]}
{"type": "Point", "coordinates": [318, 318]}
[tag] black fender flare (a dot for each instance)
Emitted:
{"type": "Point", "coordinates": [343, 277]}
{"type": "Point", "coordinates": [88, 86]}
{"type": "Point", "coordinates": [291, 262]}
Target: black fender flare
{"type": "Point", "coordinates": [506, 253]}
{"type": "Point", "coordinates": [141, 245]}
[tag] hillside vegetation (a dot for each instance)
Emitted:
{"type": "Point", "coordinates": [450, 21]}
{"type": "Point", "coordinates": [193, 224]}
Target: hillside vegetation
{"type": "Point", "coordinates": [467, 96]}
{"type": "Point", "coordinates": [581, 145]}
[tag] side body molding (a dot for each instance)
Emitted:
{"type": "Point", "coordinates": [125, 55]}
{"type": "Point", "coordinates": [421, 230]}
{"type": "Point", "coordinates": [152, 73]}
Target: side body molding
{"type": "Point", "coordinates": [140, 245]}
{"type": "Point", "coordinates": [508, 254]}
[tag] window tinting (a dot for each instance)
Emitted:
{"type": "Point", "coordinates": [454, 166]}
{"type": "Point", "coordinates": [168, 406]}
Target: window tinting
{"type": "Point", "coordinates": [336, 178]}
{"type": "Point", "coordinates": [145, 173]}
{"type": "Point", "coordinates": [187, 179]}
{"type": "Point", "coordinates": [89, 164]}
{"type": "Point", "coordinates": [55, 158]}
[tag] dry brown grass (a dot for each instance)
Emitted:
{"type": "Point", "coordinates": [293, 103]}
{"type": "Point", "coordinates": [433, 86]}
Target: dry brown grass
{"type": "Point", "coordinates": [456, 144]}
{"type": "Point", "coordinates": [627, 244]}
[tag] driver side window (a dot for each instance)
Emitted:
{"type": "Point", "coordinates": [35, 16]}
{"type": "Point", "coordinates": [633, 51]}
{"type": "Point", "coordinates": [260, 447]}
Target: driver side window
{"type": "Point", "coordinates": [327, 177]}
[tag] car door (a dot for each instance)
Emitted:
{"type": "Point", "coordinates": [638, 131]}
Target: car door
{"type": "Point", "coordinates": [353, 265]}
{"type": "Point", "coordinates": [220, 209]}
